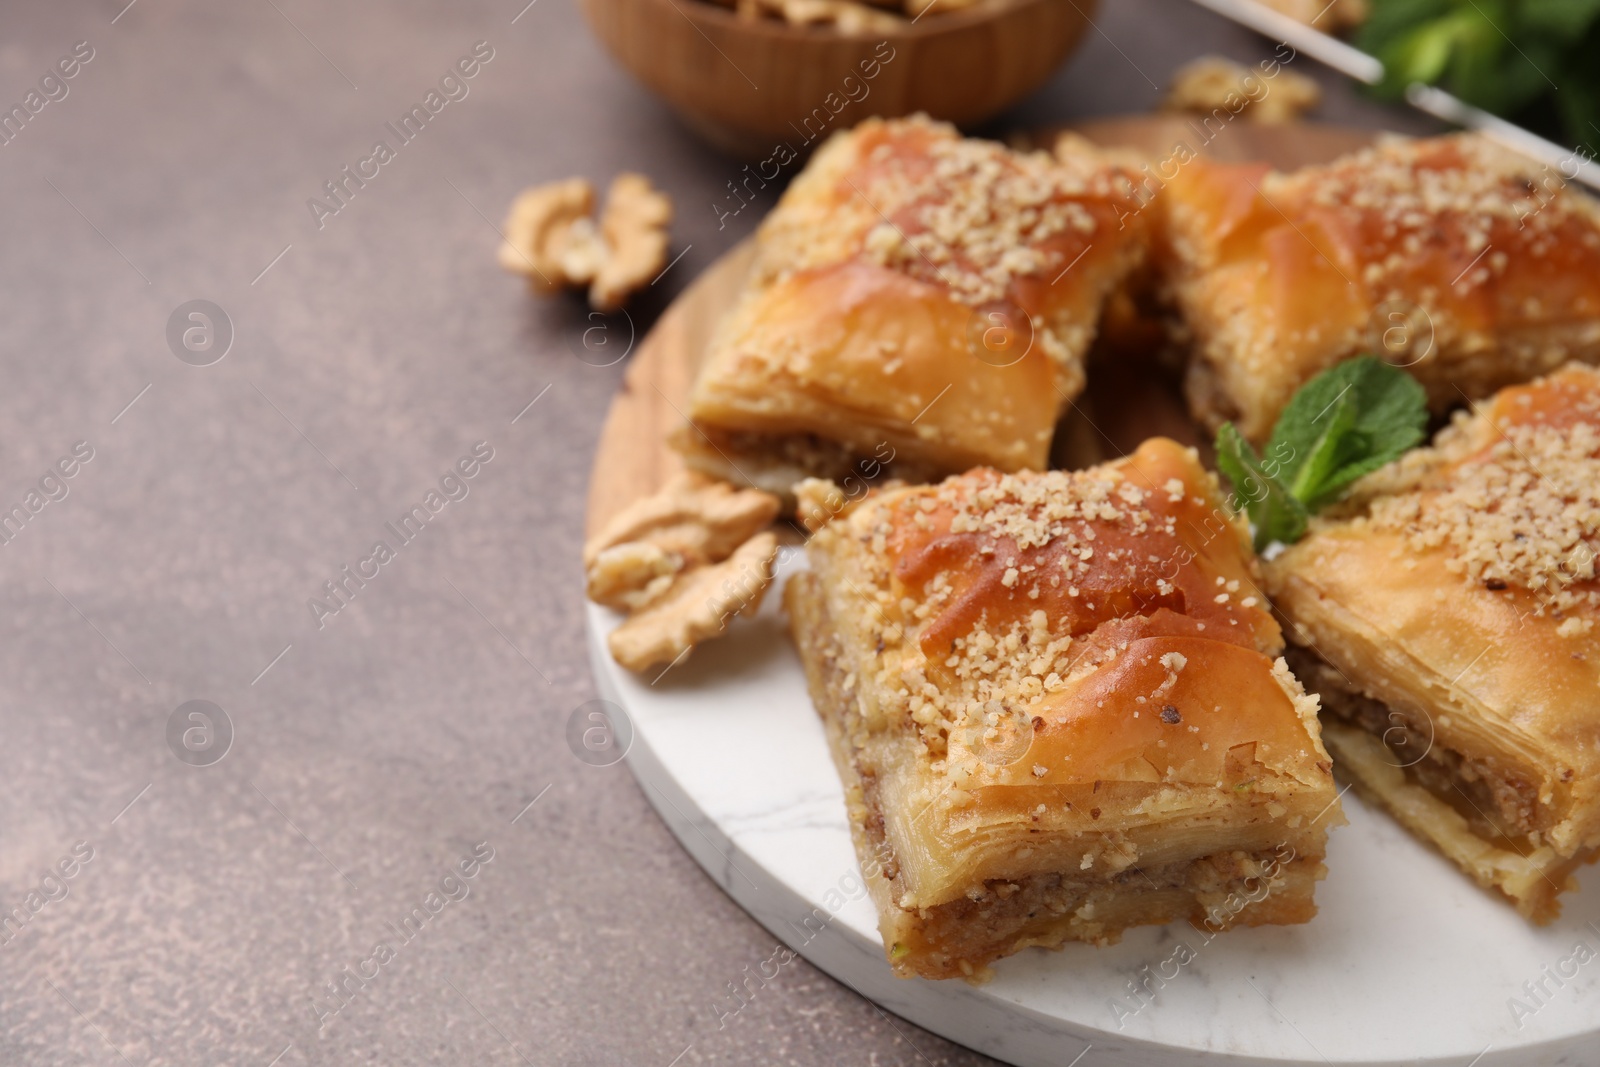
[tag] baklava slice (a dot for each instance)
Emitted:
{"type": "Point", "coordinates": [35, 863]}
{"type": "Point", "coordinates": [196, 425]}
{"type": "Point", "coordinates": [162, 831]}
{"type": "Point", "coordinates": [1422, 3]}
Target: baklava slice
{"type": "Point", "coordinates": [918, 299]}
{"type": "Point", "coordinates": [1058, 708]}
{"type": "Point", "coordinates": [1471, 266]}
{"type": "Point", "coordinates": [1449, 623]}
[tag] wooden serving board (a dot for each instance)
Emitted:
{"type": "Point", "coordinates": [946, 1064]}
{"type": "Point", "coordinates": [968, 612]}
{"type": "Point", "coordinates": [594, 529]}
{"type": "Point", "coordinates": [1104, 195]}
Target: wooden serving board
{"type": "Point", "coordinates": [1122, 407]}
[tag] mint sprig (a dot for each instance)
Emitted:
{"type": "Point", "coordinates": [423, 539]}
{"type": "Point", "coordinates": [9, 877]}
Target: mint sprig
{"type": "Point", "coordinates": [1345, 423]}
{"type": "Point", "coordinates": [1506, 56]}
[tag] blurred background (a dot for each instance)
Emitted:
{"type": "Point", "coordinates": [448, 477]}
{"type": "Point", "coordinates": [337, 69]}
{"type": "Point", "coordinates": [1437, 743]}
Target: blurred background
{"type": "Point", "coordinates": [232, 874]}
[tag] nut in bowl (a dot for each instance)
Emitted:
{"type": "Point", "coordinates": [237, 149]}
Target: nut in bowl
{"type": "Point", "coordinates": [747, 79]}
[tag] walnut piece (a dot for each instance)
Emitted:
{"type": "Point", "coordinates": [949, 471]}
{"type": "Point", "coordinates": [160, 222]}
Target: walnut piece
{"type": "Point", "coordinates": [693, 516]}
{"type": "Point", "coordinates": [544, 233]}
{"type": "Point", "coordinates": [1211, 84]}
{"type": "Point", "coordinates": [681, 563]}
{"type": "Point", "coordinates": [1334, 17]}
{"type": "Point", "coordinates": [551, 236]}
{"type": "Point", "coordinates": [857, 17]}
{"type": "Point", "coordinates": [847, 16]}
{"type": "Point", "coordinates": [634, 231]}
{"type": "Point", "coordinates": [631, 575]}
{"type": "Point", "coordinates": [697, 607]}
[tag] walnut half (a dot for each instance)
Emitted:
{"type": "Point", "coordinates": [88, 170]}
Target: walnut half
{"type": "Point", "coordinates": [1212, 84]}
{"type": "Point", "coordinates": [847, 16]}
{"type": "Point", "coordinates": [696, 607]}
{"type": "Point", "coordinates": [549, 235]}
{"type": "Point", "coordinates": [552, 237]}
{"type": "Point", "coordinates": [683, 563]}
{"type": "Point", "coordinates": [634, 229]}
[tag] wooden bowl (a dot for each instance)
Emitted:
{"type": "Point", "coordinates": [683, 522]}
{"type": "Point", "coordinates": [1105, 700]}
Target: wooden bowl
{"type": "Point", "coordinates": [749, 85]}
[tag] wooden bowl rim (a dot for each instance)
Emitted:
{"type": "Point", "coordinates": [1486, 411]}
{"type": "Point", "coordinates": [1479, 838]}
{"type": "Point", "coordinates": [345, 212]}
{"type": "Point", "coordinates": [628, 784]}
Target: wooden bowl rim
{"type": "Point", "coordinates": [708, 13]}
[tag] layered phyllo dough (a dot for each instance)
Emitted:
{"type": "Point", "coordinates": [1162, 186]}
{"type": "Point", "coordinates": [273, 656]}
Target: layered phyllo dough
{"type": "Point", "coordinates": [1449, 620]}
{"type": "Point", "coordinates": [916, 297]}
{"type": "Point", "coordinates": [1058, 707]}
{"type": "Point", "coordinates": [1469, 265]}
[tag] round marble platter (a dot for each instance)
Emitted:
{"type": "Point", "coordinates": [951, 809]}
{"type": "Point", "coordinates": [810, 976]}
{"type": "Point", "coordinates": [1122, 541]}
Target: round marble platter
{"type": "Point", "coordinates": [1407, 961]}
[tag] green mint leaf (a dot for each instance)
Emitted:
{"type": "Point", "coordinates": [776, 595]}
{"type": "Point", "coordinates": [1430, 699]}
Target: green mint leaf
{"type": "Point", "coordinates": [1388, 19]}
{"type": "Point", "coordinates": [1423, 55]}
{"type": "Point", "coordinates": [1319, 448]}
{"type": "Point", "coordinates": [1391, 419]}
{"type": "Point", "coordinates": [1275, 513]}
{"type": "Point", "coordinates": [1525, 60]}
{"type": "Point", "coordinates": [1345, 423]}
{"type": "Point", "coordinates": [1309, 439]}
{"type": "Point", "coordinates": [1559, 18]}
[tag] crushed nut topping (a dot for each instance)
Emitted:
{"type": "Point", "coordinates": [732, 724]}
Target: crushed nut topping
{"type": "Point", "coordinates": [1512, 494]}
{"type": "Point", "coordinates": [1002, 589]}
{"type": "Point", "coordinates": [970, 215]}
{"type": "Point", "coordinates": [1408, 197]}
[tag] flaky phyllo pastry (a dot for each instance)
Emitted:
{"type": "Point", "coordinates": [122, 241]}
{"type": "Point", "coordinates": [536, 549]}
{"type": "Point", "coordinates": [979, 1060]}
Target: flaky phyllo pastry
{"type": "Point", "coordinates": [916, 297]}
{"type": "Point", "coordinates": [1469, 265]}
{"type": "Point", "coordinates": [1056, 703]}
{"type": "Point", "coordinates": [1450, 622]}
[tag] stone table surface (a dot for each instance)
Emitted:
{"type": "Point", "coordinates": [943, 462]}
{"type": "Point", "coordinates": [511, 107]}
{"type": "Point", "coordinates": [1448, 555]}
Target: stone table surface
{"type": "Point", "coordinates": [383, 757]}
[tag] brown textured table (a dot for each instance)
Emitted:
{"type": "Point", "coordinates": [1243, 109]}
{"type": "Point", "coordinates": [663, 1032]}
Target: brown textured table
{"type": "Point", "coordinates": [381, 752]}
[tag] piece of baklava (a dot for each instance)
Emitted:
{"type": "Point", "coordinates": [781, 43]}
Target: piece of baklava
{"type": "Point", "coordinates": [1471, 266]}
{"type": "Point", "coordinates": [1056, 704]}
{"type": "Point", "coordinates": [1448, 621]}
{"type": "Point", "coordinates": [916, 297]}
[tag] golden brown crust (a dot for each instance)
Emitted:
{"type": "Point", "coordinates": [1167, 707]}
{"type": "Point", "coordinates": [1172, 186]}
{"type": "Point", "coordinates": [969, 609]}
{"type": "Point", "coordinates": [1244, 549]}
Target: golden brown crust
{"type": "Point", "coordinates": [923, 292]}
{"type": "Point", "coordinates": [1458, 591]}
{"type": "Point", "coordinates": [1470, 265]}
{"type": "Point", "coordinates": [1061, 676]}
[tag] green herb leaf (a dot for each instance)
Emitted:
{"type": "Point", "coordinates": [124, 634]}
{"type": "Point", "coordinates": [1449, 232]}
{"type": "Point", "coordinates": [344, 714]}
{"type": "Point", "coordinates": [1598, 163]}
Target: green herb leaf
{"type": "Point", "coordinates": [1345, 423]}
{"type": "Point", "coordinates": [1275, 513]}
{"type": "Point", "coordinates": [1562, 18]}
{"type": "Point", "coordinates": [1525, 60]}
